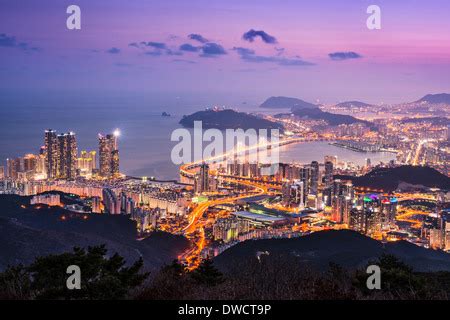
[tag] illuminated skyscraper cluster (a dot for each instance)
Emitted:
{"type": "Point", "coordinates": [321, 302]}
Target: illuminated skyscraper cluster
{"type": "Point", "coordinates": [60, 155]}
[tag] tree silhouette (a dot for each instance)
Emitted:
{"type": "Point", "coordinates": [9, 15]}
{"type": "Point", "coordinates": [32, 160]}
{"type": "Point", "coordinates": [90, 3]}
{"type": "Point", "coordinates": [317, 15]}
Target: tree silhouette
{"type": "Point", "coordinates": [207, 274]}
{"type": "Point", "coordinates": [102, 277]}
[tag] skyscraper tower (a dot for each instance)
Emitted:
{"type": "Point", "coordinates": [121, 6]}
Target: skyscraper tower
{"type": "Point", "coordinates": [202, 179]}
{"type": "Point", "coordinates": [51, 154]}
{"type": "Point", "coordinates": [314, 177]}
{"type": "Point", "coordinates": [67, 161]}
{"type": "Point", "coordinates": [109, 155]}
{"type": "Point", "coordinates": [328, 173]}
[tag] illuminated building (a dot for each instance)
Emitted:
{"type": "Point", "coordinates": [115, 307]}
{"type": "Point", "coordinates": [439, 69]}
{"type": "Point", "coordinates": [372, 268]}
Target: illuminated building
{"type": "Point", "coordinates": [87, 162]}
{"type": "Point", "coordinates": [51, 158]}
{"type": "Point", "coordinates": [13, 168]}
{"type": "Point", "coordinates": [228, 229]}
{"type": "Point", "coordinates": [362, 220]}
{"type": "Point", "coordinates": [111, 201]}
{"type": "Point", "coordinates": [126, 204]}
{"type": "Point", "coordinates": [40, 164]}
{"type": "Point", "coordinates": [48, 199]}
{"type": "Point", "coordinates": [341, 208]}
{"type": "Point", "coordinates": [2, 172]}
{"type": "Point", "coordinates": [435, 239]}
{"type": "Point", "coordinates": [328, 173]}
{"type": "Point", "coordinates": [201, 183]}
{"type": "Point", "coordinates": [30, 163]}
{"type": "Point", "coordinates": [67, 164]}
{"type": "Point", "coordinates": [332, 159]}
{"type": "Point", "coordinates": [388, 212]}
{"type": "Point", "coordinates": [96, 205]}
{"type": "Point", "coordinates": [109, 155]}
{"type": "Point", "coordinates": [314, 178]}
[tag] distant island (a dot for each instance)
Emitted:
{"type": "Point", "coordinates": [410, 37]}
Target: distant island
{"type": "Point", "coordinates": [286, 103]}
{"type": "Point", "coordinates": [403, 177]}
{"type": "Point", "coordinates": [303, 109]}
{"type": "Point", "coordinates": [228, 119]}
{"type": "Point", "coordinates": [165, 114]}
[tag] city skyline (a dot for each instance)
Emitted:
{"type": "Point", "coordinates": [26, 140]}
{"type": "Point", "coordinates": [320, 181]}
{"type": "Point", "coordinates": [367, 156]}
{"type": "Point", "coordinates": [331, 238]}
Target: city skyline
{"type": "Point", "coordinates": [238, 150]}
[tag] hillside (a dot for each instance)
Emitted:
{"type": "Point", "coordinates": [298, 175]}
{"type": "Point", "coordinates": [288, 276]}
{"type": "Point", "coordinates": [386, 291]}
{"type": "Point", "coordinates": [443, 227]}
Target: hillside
{"type": "Point", "coordinates": [332, 118]}
{"type": "Point", "coordinates": [228, 119]}
{"type": "Point", "coordinates": [389, 179]}
{"type": "Point", "coordinates": [286, 103]}
{"type": "Point", "coordinates": [353, 104]}
{"type": "Point", "coordinates": [26, 233]}
{"type": "Point", "coordinates": [436, 98]}
{"type": "Point", "coordinates": [344, 247]}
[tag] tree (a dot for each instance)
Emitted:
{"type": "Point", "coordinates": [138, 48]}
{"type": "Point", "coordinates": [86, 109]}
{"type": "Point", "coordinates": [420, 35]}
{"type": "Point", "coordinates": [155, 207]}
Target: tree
{"type": "Point", "coordinates": [207, 274]}
{"type": "Point", "coordinates": [102, 277]}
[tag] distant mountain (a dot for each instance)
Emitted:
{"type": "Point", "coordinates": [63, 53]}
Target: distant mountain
{"type": "Point", "coordinates": [352, 104]}
{"type": "Point", "coordinates": [286, 103]}
{"type": "Point", "coordinates": [332, 118]}
{"type": "Point", "coordinates": [389, 179]}
{"type": "Point", "coordinates": [228, 119]}
{"type": "Point", "coordinates": [347, 248]}
{"type": "Point", "coordinates": [436, 98]}
{"type": "Point", "coordinates": [31, 231]}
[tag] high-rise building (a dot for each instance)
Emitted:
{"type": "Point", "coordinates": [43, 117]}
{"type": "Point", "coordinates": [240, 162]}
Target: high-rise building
{"type": "Point", "coordinates": [96, 205]}
{"type": "Point", "coordinates": [67, 152]}
{"type": "Point", "coordinates": [30, 163]}
{"type": "Point", "coordinates": [86, 163]}
{"type": "Point", "coordinates": [328, 173]}
{"type": "Point", "coordinates": [111, 201]}
{"type": "Point", "coordinates": [2, 172]}
{"type": "Point", "coordinates": [109, 155]}
{"type": "Point", "coordinates": [13, 167]}
{"type": "Point", "coordinates": [314, 186]}
{"type": "Point", "coordinates": [201, 183]}
{"type": "Point", "coordinates": [51, 156]}
{"type": "Point", "coordinates": [332, 159]}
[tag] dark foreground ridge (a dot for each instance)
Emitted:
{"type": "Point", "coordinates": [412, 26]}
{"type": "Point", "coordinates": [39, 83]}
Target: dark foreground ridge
{"type": "Point", "coordinates": [31, 231]}
{"type": "Point", "coordinates": [346, 248]}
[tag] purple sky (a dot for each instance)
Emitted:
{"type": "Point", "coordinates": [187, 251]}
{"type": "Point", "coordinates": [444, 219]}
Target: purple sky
{"type": "Point", "coordinates": [408, 58]}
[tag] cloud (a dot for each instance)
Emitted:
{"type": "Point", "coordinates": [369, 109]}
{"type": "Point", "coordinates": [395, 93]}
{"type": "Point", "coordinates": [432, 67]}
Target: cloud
{"type": "Point", "coordinates": [244, 51]}
{"type": "Point", "coordinates": [340, 55]}
{"type": "Point", "coordinates": [280, 51]}
{"type": "Point", "coordinates": [252, 34]}
{"type": "Point", "coordinates": [197, 37]}
{"type": "Point", "coordinates": [155, 48]}
{"type": "Point", "coordinates": [113, 50]}
{"type": "Point", "coordinates": [189, 47]}
{"type": "Point", "coordinates": [212, 49]}
{"type": "Point", "coordinates": [249, 55]}
{"type": "Point", "coordinates": [11, 42]}
{"type": "Point", "coordinates": [156, 45]}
